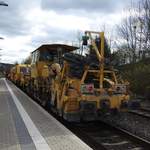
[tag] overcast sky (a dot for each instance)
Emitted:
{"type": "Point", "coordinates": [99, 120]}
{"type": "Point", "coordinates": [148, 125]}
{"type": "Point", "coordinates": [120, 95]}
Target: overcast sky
{"type": "Point", "coordinates": [27, 24]}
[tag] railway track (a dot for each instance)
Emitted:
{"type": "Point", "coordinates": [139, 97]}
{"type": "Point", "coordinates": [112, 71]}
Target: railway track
{"type": "Point", "coordinates": [102, 136]}
{"type": "Point", "coordinates": [143, 112]}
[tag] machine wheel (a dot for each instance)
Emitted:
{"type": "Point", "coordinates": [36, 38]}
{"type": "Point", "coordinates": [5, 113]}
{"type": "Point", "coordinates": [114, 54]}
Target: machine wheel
{"type": "Point", "coordinates": [43, 103]}
{"type": "Point", "coordinates": [114, 111]}
{"type": "Point", "coordinates": [53, 98]}
{"type": "Point", "coordinates": [105, 105]}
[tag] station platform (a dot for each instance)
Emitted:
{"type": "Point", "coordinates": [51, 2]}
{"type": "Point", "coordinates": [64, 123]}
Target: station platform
{"type": "Point", "coordinates": [24, 125]}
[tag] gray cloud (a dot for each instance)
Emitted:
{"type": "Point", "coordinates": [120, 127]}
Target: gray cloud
{"type": "Point", "coordinates": [54, 35]}
{"type": "Point", "coordinates": [14, 22]}
{"type": "Point", "coordinates": [12, 18]}
{"type": "Point", "coordinates": [106, 6]}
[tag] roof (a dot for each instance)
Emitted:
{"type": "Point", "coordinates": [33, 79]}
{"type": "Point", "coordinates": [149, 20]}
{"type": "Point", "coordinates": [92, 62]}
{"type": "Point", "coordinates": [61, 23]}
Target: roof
{"type": "Point", "coordinates": [23, 65]}
{"type": "Point", "coordinates": [54, 47]}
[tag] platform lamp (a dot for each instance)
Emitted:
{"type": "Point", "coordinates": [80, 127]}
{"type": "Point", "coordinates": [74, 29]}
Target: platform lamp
{"type": "Point", "coordinates": [1, 38]}
{"type": "Point", "coordinates": [0, 54]}
{"type": "Point", "coordinates": [3, 3]}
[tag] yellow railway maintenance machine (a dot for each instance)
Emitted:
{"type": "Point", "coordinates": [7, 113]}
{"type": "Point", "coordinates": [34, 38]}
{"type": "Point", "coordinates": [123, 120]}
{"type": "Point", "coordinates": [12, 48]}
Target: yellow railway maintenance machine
{"type": "Point", "coordinates": [19, 73]}
{"type": "Point", "coordinates": [46, 64]}
{"type": "Point", "coordinates": [12, 73]}
{"type": "Point", "coordinates": [25, 76]}
{"type": "Point", "coordinates": [82, 98]}
{"type": "Point", "coordinates": [110, 93]}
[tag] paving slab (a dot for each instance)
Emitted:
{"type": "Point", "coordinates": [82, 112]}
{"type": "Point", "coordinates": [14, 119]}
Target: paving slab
{"type": "Point", "coordinates": [24, 125]}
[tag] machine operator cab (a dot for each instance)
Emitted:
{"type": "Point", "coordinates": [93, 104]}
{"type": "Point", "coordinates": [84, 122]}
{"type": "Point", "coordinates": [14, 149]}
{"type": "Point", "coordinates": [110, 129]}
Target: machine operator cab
{"type": "Point", "coordinates": [46, 65]}
{"type": "Point", "coordinates": [45, 56]}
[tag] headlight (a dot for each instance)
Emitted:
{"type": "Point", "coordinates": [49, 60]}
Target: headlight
{"type": "Point", "coordinates": [120, 89]}
{"type": "Point", "coordinates": [104, 104]}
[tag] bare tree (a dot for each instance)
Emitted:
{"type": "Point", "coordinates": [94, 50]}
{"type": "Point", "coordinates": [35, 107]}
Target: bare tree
{"type": "Point", "coordinates": [27, 60]}
{"type": "Point", "coordinates": [16, 63]}
{"type": "Point", "coordinates": [135, 31]}
{"type": "Point", "coordinates": [145, 18]}
{"type": "Point", "coordinates": [127, 31]}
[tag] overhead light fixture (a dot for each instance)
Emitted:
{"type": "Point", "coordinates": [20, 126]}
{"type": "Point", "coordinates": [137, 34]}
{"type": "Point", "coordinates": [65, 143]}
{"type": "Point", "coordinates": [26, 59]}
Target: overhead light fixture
{"type": "Point", "coordinates": [3, 3]}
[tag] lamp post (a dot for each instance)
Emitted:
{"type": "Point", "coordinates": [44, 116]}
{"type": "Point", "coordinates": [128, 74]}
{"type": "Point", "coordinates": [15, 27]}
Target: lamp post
{"type": "Point", "coordinates": [3, 3]}
{"type": "Point", "coordinates": [135, 27]}
{"type": "Point", "coordinates": [1, 38]}
{"type": "Point", "coordinates": [134, 40]}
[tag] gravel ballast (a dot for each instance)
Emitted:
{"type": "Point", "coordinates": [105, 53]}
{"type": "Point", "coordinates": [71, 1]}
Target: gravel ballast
{"type": "Point", "coordinates": [130, 122]}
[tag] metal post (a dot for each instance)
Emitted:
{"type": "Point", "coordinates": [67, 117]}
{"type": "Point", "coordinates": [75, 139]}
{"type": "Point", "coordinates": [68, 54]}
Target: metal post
{"type": "Point", "coordinates": [102, 60]}
{"type": "Point", "coordinates": [134, 43]}
{"type": "Point", "coordinates": [2, 4]}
